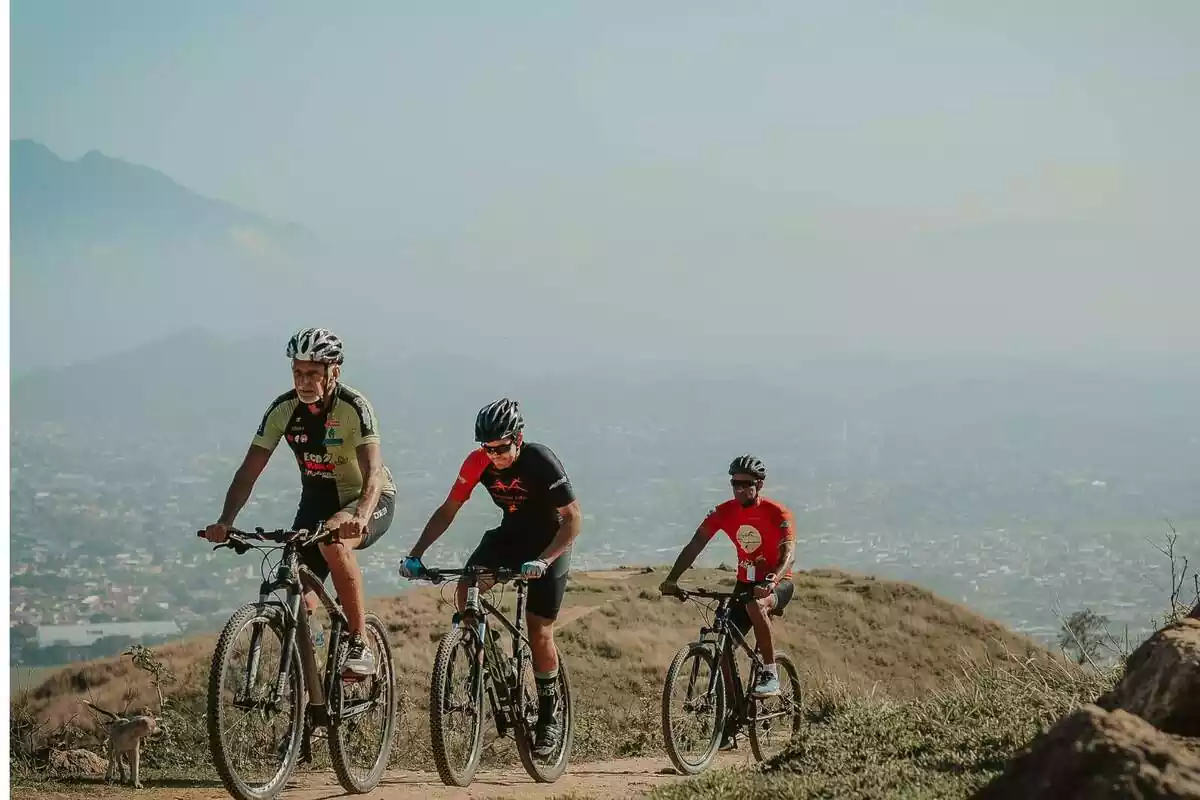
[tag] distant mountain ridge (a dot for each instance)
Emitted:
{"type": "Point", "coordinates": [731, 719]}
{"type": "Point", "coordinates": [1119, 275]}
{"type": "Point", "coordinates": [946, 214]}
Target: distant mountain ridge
{"type": "Point", "coordinates": [107, 254]}
{"type": "Point", "coordinates": [98, 194]}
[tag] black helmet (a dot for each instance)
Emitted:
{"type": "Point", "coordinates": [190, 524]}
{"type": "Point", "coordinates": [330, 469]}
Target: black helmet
{"type": "Point", "coordinates": [498, 420]}
{"type": "Point", "coordinates": [748, 465]}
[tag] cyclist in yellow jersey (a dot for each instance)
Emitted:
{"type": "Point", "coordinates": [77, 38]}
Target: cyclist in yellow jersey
{"type": "Point", "coordinates": [333, 432]}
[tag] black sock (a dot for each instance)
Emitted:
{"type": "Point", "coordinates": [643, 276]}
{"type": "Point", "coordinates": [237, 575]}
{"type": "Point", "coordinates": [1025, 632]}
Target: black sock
{"type": "Point", "coordinates": [547, 689]}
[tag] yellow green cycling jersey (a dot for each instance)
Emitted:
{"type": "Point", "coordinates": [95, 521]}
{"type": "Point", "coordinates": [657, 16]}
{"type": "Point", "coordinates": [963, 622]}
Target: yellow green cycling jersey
{"type": "Point", "coordinates": [325, 444]}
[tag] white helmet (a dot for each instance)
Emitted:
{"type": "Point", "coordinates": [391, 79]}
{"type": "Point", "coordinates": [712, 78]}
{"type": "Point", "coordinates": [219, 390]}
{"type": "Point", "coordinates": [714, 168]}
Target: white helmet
{"type": "Point", "coordinates": [315, 344]}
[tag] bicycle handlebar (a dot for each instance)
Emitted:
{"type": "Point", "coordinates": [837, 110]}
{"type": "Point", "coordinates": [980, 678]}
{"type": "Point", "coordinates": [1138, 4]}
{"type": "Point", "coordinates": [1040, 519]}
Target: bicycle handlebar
{"type": "Point", "coordinates": [684, 594]}
{"type": "Point", "coordinates": [242, 541]}
{"type": "Point", "coordinates": [499, 574]}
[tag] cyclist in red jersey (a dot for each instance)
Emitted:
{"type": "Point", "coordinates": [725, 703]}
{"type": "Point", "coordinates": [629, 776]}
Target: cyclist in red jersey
{"type": "Point", "coordinates": [764, 534]}
{"type": "Point", "coordinates": [541, 519]}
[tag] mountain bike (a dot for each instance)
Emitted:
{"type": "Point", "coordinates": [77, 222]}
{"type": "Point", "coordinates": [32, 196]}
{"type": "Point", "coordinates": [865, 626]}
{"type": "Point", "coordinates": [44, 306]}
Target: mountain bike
{"type": "Point", "coordinates": [265, 663]}
{"type": "Point", "coordinates": [772, 721]}
{"type": "Point", "coordinates": [506, 679]}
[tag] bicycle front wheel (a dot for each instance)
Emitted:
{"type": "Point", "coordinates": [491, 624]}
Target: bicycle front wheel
{"type": "Point", "coordinates": [693, 708]}
{"type": "Point", "coordinates": [456, 708]}
{"type": "Point", "coordinates": [364, 718]}
{"type": "Point", "coordinates": [254, 722]}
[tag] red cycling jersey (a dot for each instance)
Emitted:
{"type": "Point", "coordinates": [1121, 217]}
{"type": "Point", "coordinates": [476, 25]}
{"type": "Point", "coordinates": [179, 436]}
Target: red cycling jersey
{"type": "Point", "coordinates": [757, 531]}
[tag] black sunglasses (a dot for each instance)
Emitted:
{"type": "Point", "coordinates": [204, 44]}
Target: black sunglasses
{"type": "Point", "coordinates": [741, 483]}
{"type": "Point", "coordinates": [496, 449]}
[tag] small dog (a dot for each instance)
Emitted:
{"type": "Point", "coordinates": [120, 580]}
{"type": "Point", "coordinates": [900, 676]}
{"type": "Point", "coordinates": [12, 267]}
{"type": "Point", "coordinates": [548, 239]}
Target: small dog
{"type": "Point", "coordinates": [125, 736]}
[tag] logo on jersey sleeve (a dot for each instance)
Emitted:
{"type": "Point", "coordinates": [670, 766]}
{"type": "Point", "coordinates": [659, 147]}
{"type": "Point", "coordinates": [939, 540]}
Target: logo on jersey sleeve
{"type": "Point", "coordinates": [748, 538]}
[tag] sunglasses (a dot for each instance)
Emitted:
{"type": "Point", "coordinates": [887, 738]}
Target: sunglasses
{"type": "Point", "coordinates": [497, 450]}
{"type": "Point", "coordinates": [741, 484]}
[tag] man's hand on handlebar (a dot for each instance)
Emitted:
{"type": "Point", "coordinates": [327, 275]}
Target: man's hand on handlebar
{"type": "Point", "coordinates": [344, 525]}
{"type": "Point", "coordinates": [412, 568]}
{"type": "Point", "coordinates": [670, 588]}
{"type": "Point", "coordinates": [217, 533]}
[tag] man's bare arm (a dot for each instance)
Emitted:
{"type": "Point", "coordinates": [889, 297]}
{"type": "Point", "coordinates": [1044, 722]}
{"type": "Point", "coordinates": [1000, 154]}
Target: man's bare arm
{"type": "Point", "coordinates": [435, 527]}
{"type": "Point", "coordinates": [691, 551]}
{"type": "Point", "coordinates": [568, 529]}
{"type": "Point", "coordinates": [243, 482]}
{"type": "Point", "coordinates": [787, 550]}
{"type": "Point", "coordinates": [370, 462]}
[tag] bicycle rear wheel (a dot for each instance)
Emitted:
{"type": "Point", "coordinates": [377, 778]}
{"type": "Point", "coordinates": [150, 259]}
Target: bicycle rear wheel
{"type": "Point", "coordinates": [364, 718]}
{"type": "Point", "coordinates": [456, 708]}
{"type": "Point", "coordinates": [545, 769]}
{"type": "Point", "coordinates": [246, 665]}
{"type": "Point", "coordinates": [774, 721]}
{"type": "Point", "coordinates": [692, 715]}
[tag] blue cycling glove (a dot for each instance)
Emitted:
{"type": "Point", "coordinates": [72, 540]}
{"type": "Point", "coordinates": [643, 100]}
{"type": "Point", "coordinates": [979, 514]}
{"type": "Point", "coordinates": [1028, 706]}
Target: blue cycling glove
{"type": "Point", "coordinates": [411, 568]}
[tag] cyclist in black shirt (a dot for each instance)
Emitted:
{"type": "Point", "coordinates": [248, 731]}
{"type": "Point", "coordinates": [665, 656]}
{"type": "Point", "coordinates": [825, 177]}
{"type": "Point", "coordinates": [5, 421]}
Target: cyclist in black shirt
{"type": "Point", "coordinates": [541, 519]}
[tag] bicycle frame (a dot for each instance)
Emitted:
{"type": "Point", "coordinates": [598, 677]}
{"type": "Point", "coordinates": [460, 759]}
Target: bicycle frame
{"type": "Point", "coordinates": [509, 706]}
{"type": "Point", "coordinates": [727, 635]}
{"type": "Point", "coordinates": [294, 578]}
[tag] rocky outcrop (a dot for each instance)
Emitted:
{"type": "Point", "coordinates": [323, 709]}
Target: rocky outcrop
{"type": "Point", "coordinates": [1142, 739]}
{"type": "Point", "coordinates": [76, 763]}
{"type": "Point", "coordinates": [1162, 681]}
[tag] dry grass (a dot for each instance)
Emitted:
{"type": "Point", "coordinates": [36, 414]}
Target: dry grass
{"type": "Point", "coordinates": [851, 637]}
{"type": "Point", "coordinates": [945, 744]}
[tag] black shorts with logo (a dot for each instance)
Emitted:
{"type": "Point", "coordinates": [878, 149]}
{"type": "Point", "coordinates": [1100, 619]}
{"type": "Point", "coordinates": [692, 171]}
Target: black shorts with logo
{"type": "Point", "coordinates": [510, 548]}
{"type": "Point", "coordinates": [381, 520]}
{"type": "Point", "coordinates": [741, 619]}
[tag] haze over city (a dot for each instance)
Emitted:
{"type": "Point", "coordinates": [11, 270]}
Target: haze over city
{"type": "Point", "coordinates": [936, 266]}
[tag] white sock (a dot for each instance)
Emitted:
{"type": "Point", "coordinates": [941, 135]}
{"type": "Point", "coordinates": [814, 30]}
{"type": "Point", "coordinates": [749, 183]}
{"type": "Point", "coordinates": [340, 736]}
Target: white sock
{"type": "Point", "coordinates": [771, 669]}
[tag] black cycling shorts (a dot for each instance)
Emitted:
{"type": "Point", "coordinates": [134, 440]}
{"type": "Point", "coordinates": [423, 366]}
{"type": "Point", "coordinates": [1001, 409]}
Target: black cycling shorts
{"type": "Point", "coordinates": [741, 619]}
{"type": "Point", "coordinates": [512, 548]}
{"type": "Point", "coordinates": [381, 520]}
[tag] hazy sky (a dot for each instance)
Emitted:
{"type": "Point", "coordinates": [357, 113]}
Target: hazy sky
{"type": "Point", "coordinates": [1015, 177]}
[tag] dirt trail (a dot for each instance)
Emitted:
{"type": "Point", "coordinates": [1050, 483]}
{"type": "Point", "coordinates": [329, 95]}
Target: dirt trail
{"type": "Point", "coordinates": [627, 777]}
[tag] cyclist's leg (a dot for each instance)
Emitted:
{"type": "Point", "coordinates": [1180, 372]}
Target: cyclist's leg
{"type": "Point", "coordinates": [347, 580]}
{"type": "Point", "coordinates": [544, 601]}
{"type": "Point", "coordinates": [760, 612]}
{"type": "Point", "coordinates": [783, 596]}
{"type": "Point", "coordinates": [343, 565]}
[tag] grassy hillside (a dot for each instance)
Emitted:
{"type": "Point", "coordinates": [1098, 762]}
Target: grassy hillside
{"type": "Point", "coordinates": [851, 636]}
